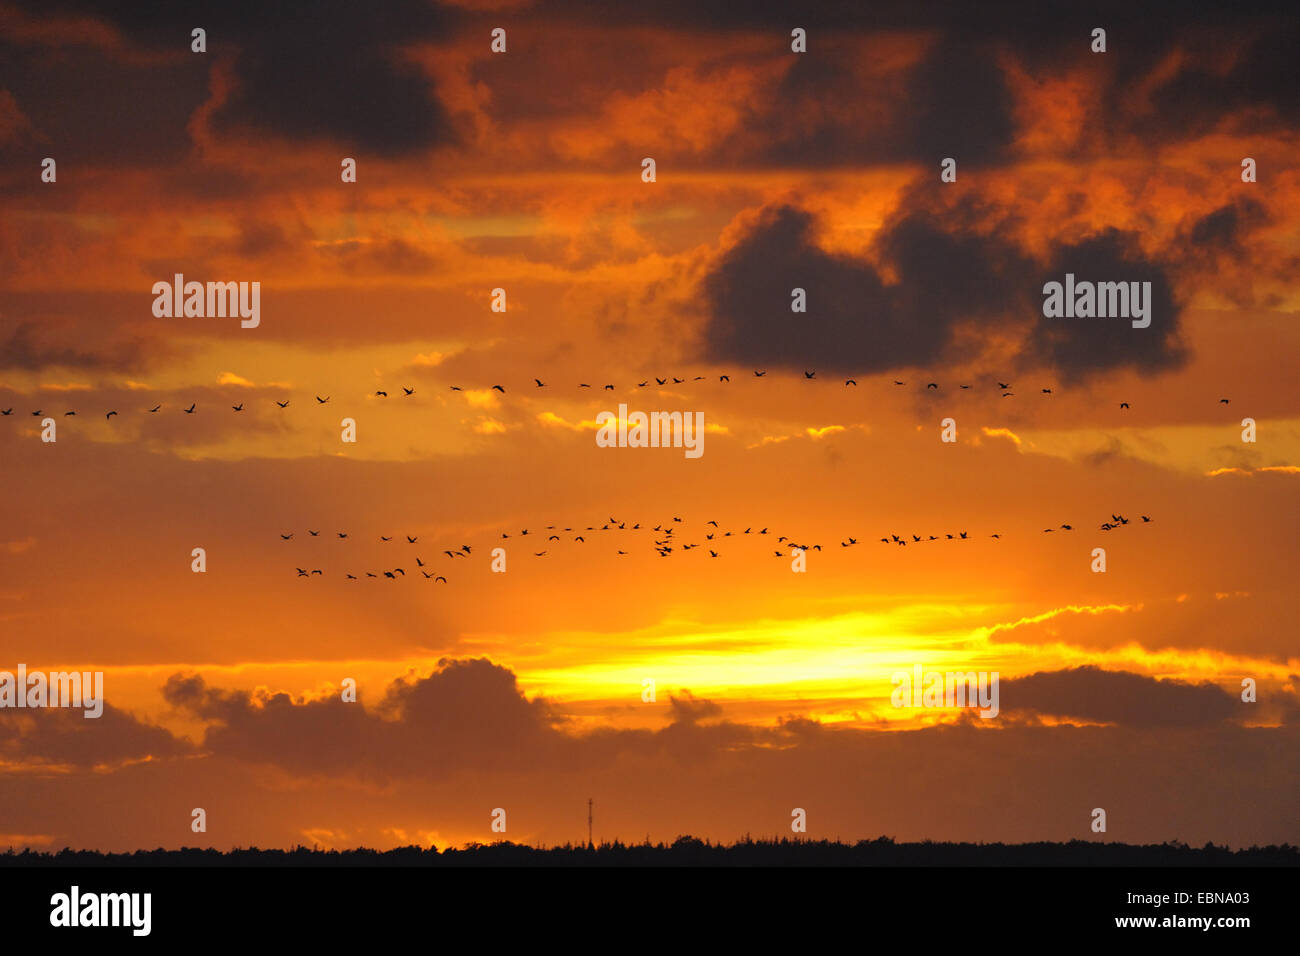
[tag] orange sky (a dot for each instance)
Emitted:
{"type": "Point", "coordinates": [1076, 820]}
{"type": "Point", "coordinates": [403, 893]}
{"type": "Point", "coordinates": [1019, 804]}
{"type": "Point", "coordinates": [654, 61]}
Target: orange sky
{"type": "Point", "coordinates": [522, 171]}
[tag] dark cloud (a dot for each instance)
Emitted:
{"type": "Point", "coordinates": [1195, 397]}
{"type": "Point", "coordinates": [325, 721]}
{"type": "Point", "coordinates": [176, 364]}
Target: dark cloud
{"type": "Point", "coordinates": [26, 349]}
{"type": "Point", "coordinates": [88, 108]}
{"type": "Point", "coordinates": [1257, 89]}
{"type": "Point", "coordinates": [1119, 697]}
{"type": "Point", "coordinates": [1078, 347]}
{"type": "Point", "coordinates": [57, 735]}
{"type": "Point", "coordinates": [332, 72]}
{"type": "Point", "coordinates": [1225, 228]}
{"type": "Point", "coordinates": [948, 271]}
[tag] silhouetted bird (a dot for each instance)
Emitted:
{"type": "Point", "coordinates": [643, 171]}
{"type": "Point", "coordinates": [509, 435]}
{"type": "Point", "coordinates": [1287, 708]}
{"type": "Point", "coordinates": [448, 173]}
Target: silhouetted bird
{"type": "Point", "coordinates": [1123, 404]}
{"type": "Point", "coordinates": [759, 374]}
{"type": "Point", "coordinates": [281, 404]}
{"type": "Point", "coordinates": [724, 378]}
{"type": "Point", "coordinates": [540, 383]}
{"type": "Point", "coordinates": [239, 407]}
{"type": "Point", "coordinates": [849, 381]}
{"type": "Point", "coordinates": [286, 537]}
{"type": "Point", "coordinates": [411, 540]}
{"type": "Point", "coordinates": [322, 400]}
{"type": "Point", "coordinates": [932, 385]}
{"type": "Point", "coordinates": [1223, 401]}
{"type": "Point", "coordinates": [312, 533]}
{"type": "Point", "coordinates": [809, 374]}
{"type": "Point", "coordinates": [7, 411]}
{"type": "Point", "coordinates": [341, 534]}
{"type": "Point", "coordinates": [440, 578]}
{"type": "Point", "coordinates": [381, 393]}
{"type": "Point", "coordinates": [190, 410]}
{"type": "Point", "coordinates": [408, 391]}
{"type": "Point", "coordinates": [382, 538]}
{"type": "Point", "coordinates": [155, 408]}
{"type": "Point", "coordinates": [109, 415]}
{"type": "Point", "coordinates": [499, 388]}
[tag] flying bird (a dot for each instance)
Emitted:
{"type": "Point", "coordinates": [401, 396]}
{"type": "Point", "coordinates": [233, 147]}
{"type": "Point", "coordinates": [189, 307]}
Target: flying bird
{"type": "Point", "coordinates": [759, 374]}
{"type": "Point", "coordinates": [540, 383]}
{"type": "Point", "coordinates": [312, 533]}
{"type": "Point", "coordinates": [239, 407]}
{"type": "Point", "coordinates": [156, 407]}
{"type": "Point", "coordinates": [381, 393]}
{"type": "Point", "coordinates": [190, 410]}
{"type": "Point", "coordinates": [808, 374]}
{"type": "Point", "coordinates": [724, 378]}
{"type": "Point", "coordinates": [286, 537]}
{"type": "Point", "coordinates": [1123, 404]}
{"type": "Point", "coordinates": [411, 540]}
{"type": "Point", "coordinates": [109, 415]}
{"type": "Point", "coordinates": [499, 388]}
{"type": "Point", "coordinates": [410, 391]}
{"type": "Point", "coordinates": [322, 400]}
{"type": "Point", "coordinates": [849, 381]}
{"type": "Point", "coordinates": [7, 411]}
{"type": "Point", "coordinates": [281, 404]}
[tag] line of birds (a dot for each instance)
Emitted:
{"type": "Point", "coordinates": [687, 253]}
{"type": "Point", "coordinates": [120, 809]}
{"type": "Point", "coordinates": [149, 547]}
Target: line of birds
{"type": "Point", "coordinates": [665, 542]}
{"type": "Point", "coordinates": [1003, 387]}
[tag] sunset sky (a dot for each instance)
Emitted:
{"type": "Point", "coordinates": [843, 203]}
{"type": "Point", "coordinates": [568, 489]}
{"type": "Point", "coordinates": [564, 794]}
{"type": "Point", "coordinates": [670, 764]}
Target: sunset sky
{"type": "Point", "coordinates": [522, 171]}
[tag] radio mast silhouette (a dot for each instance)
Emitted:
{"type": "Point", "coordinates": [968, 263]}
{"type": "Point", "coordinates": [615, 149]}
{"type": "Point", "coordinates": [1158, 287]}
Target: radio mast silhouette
{"type": "Point", "coordinates": [590, 844]}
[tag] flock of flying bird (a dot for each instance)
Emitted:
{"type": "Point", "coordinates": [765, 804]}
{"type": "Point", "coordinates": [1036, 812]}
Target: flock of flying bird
{"type": "Point", "coordinates": [665, 543]}
{"type": "Point", "coordinates": [1003, 387]}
